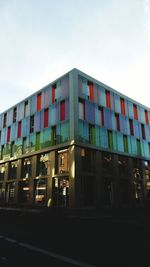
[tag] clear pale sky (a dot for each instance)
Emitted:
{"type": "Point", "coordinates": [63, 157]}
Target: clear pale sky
{"type": "Point", "coordinates": [41, 40]}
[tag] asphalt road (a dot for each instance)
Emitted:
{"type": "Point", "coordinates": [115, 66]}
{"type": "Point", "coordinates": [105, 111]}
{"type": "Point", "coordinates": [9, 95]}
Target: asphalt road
{"type": "Point", "coordinates": [117, 241]}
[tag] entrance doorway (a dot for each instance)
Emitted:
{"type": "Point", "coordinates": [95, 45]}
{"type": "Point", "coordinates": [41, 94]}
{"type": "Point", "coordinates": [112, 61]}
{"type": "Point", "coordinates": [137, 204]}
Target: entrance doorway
{"type": "Point", "coordinates": [60, 192]}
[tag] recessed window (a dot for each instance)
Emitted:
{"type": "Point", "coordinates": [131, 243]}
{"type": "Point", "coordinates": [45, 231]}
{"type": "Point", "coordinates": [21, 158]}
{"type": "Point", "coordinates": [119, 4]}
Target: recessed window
{"type": "Point", "coordinates": [82, 109]}
{"type": "Point", "coordinates": [32, 124]}
{"type": "Point", "coordinates": [117, 122]}
{"type": "Point", "coordinates": [46, 118]}
{"type": "Point", "coordinates": [131, 127]}
{"type": "Point", "coordinates": [122, 105]}
{"type": "Point", "coordinates": [53, 93]}
{"type": "Point", "coordinates": [62, 110]}
{"type": "Point", "coordinates": [15, 114]}
{"type": "Point", "coordinates": [135, 112]}
{"type": "Point", "coordinates": [108, 101]}
{"type": "Point", "coordinates": [26, 108]}
{"type": "Point", "coordinates": [101, 110]}
{"type": "Point", "coordinates": [143, 131]}
{"type": "Point", "coordinates": [5, 120]}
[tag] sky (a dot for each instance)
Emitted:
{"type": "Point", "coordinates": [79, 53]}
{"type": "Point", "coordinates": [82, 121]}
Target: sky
{"type": "Point", "coordinates": [40, 40]}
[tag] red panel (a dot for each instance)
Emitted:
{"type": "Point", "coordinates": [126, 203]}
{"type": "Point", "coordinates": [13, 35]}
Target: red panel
{"type": "Point", "coordinates": [8, 134]}
{"type": "Point", "coordinates": [53, 94]}
{"type": "Point", "coordinates": [135, 111]}
{"type": "Point", "coordinates": [146, 117]}
{"type": "Point", "coordinates": [117, 122]}
{"type": "Point", "coordinates": [46, 118]}
{"type": "Point", "coordinates": [39, 101]}
{"type": "Point", "coordinates": [122, 103]}
{"type": "Point", "coordinates": [19, 129]}
{"type": "Point", "coordinates": [91, 91]}
{"type": "Point", "coordinates": [108, 102]}
{"type": "Point", "coordinates": [62, 110]}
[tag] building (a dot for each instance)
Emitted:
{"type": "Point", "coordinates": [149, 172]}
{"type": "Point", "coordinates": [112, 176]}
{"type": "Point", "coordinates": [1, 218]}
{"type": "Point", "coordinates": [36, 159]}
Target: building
{"type": "Point", "coordinates": [75, 143]}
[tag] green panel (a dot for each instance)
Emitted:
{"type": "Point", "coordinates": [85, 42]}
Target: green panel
{"type": "Point", "coordinates": [46, 138]}
{"type": "Point", "coordinates": [115, 140]}
{"type": "Point", "coordinates": [110, 139]}
{"type": "Point", "coordinates": [7, 152]}
{"type": "Point", "coordinates": [18, 147]}
{"type": "Point", "coordinates": [64, 132]}
{"type": "Point", "coordinates": [97, 132]}
{"type": "Point", "coordinates": [92, 137]}
{"type": "Point", "coordinates": [139, 152]}
{"type": "Point", "coordinates": [37, 146]}
{"type": "Point", "coordinates": [125, 142]}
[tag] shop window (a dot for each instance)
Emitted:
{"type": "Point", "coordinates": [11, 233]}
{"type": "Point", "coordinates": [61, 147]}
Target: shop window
{"type": "Point", "coordinates": [110, 139]}
{"type": "Point", "coordinates": [82, 109]}
{"type": "Point", "coordinates": [42, 165]}
{"type": "Point", "coordinates": [91, 91]}
{"type": "Point", "coordinates": [122, 105]}
{"type": "Point", "coordinates": [135, 112]}
{"type": "Point", "coordinates": [26, 168]}
{"type": "Point", "coordinates": [117, 122]}
{"type": "Point", "coordinates": [53, 93]}
{"type": "Point", "coordinates": [8, 134]}
{"type": "Point", "coordinates": [19, 129]}
{"type": "Point", "coordinates": [108, 101]}
{"type": "Point", "coordinates": [143, 131]}
{"type": "Point", "coordinates": [122, 166]}
{"type": "Point", "coordinates": [10, 192]}
{"type": "Point", "coordinates": [125, 142]}
{"type": "Point", "coordinates": [2, 172]}
{"type": "Point", "coordinates": [26, 108]}
{"type": "Point", "coordinates": [39, 101]}
{"type": "Point", "coordinates": [87, 160]}
{"type": "Point", "coordinates": [32, 124]}
{"type": "Point", "coordinates": [23, 191]}
{"type": "Point", "coordinates": [101, 109]}
{"type": "Point", "coordinates": [5, 120]}
{"type": "Point", "coordinates": [131, 127]}
{"type": "Point", "coordinates": [107, 162]}
{"type": "Point", "coordinates": [15, 114]}
{"type": "Point", "coordinates": [146, 117]}
{"type": "Point", "coordinates": [40, 188]}
{"type": "Point", "coordinates": [62, 110]}
{"type": "Point", "coordinates": [46, 117]}
{"type": "Point", "coordinates": [63, 164]}
{"type": "Point", "coordinates": [13, 170]}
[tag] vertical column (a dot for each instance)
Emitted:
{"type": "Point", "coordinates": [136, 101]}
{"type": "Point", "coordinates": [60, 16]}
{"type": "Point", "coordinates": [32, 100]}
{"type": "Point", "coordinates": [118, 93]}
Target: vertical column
{"type": "Point", "coordinates": [51, 172]}
{"type": "Point", "coordinates": [16, 200]}
{"type": "Point", "coordinates": [33, 175]}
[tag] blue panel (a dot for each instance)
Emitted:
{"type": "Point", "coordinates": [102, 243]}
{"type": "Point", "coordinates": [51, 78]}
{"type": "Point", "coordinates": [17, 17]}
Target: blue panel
{"type": "Point", "coordinates": [97, 133]}
{"type": "Point", "coordinates": [107, 119]}
{"type": "Point", "coordinates": [130, 109]}
{"type": "Point", "coordinates": [147, 132]}
{"type": "Point", "coordinates": [112, 101]}
{"type": "Point", "coordinates": [141, 114]}
{"type": "Point", "coordinates": [33, 105]}
{"type": "Point", "coordinates": [145, 148]}
{"type": "Point", "coordinates": [120, 145]}
{"type": "Point", "coordinates": [117, 103]}
{"type": "Point", "coordinates": [47, 97]}
{"type": "Point", "coordinates": [97, 115]}
{"type": "Point", "coordinates": [52, 115]}
{"type": "Point", "coordinates": [37, 124]}
{"type": "Point", "coordinates": [10, 117]}
{"type": "Point", "coordinates": [3, 136]}
{"type": "Point", "coordinates": [85, 89]}
{"type": "Point", "coordinates": [102, 97]}
{"type": "Point", "coordinates": [80, 86]}
{"type": "Point", "coordinates": [103, 137]}
{"type": "Point", "coordinates": [123, 124]}
{"type": "Point", "coordinates": [42, 120]}
{"type": "Point", "coordinates": [136, 129]}
{"type": "Point", "coordinates": [96, 94]}
{"type": "Point", "coordinates": [133, 145]}
{"type": "Point", "coordinates": [58, 94]}
{"type": "Point", "coordinates": [89, 112]}
{"type": "Point", "coordinates": [113, 121]}
{"type": "Point", "coordinates": [65, 86]}
{"type": "Point", "coordinates": [20, 111]}
{"type": "Point", "coordinates": [13, 133]}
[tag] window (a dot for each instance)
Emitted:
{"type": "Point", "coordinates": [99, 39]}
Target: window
{"type": "Point", "coordinates": [26, 108]}
{"type": "Point", "coordinates": [146, 117]}
{"type": "Point", "coordinates": [122, 105]}
{"type": "Point", "coordinates": [110, 139]}
{"type": "Point", "coordinates": [5, 120]}
{"type": "Point", "coordinates": [62, 110]}
{"type": "Point", "coordinates": [23, 191]}
{"type": "Point", "coordinates": [39, 101]}
{"type": "Point", "coordinates": [63, 164]}
{"type": "Point", "coordinates": [82, 109]}
{"type": "Point", "coordinates": [143, 131]}
{"type": "Point", "coordinates": [87, 160]}
{"type": "Point", "coordinates": [46, 117]}
{"type": "Point", "coordinates": [19, 129]}
{"type": "Point", "coordinates": [15, 114]}
{"type": "Point", "coordinates": [26, 168]}
{"type": "Point", "coordinates": [2, 171]}
{"type": "Point", "coordinates": [42, 165]}
{"type": "Point", "coordinates": [122, 166]}
{"type": "Point", "coordinates": [40, 188]}
{"type": "Point", "coordinates": [131, 127]}
{"type": "Point", "coordinates": [125, 143]}
{"type": "Point", "coordinates": [32, 124]}
{"type": "Point", "coordinates": [107, 162]}
{"type": "Point", "coordinates": [13, 170]}
{"type": "Point", "coordinates": [101, 109]}
{"type": "Point", "coordinates": [53, 93]}
{"type": "Point", "coordinates": [117, 122]}
{"type": "Point", "coordinates": [135, 112]}
{"type": "Point", "coordinates": [108, 102]}
{"type": "Point", "coordinates": [8, 134]}
{"type": "Point", "coordinates": [10, 192]}
{"type": "Point", "coordinates": [91, 91]}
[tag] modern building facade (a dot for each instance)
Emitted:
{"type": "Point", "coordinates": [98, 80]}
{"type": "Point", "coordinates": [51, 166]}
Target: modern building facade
{"type": "Point", "coordinates": [75, 143]}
